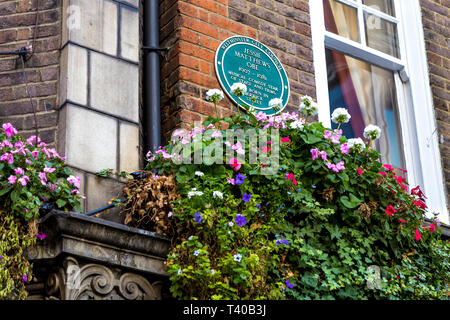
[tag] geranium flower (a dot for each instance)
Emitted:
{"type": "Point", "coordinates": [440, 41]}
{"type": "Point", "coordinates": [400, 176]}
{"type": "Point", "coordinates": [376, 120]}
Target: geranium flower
{"type": "Point", "coordinates": [43, 178]}
{"type": "Point", "coordinates": [344, 148]}
{"type": "Point", "coordinates": [390, 210]}
{"type": "Point", "coordinates": [335, 139]}
{"type": "Point", "coordinates": [327, 134]}
{"type": "Point", "coordinates": [286, 140]}
{"type": "Point", "coordinates": [340, 115]}
{"type": "Point", "coordinates": [240, 220]}
{"type": "Point", "coordinates": [417, 236]}
{"type": "Point", "coordinates": [276, 103]}
{"type": "Point", "coordinates": [199, 173]}
{"type": "Point", "coordinates": [246, 197]}
{"type": "Point", "coordinates": [432, 228]}
{"type": "Point", "coordinates": [417, 192]}
{"type": "Point", "coordinates": [402, 221]}
{"type": "Point", "coordinates": [12, 179]}
{"type": "Point", "coordinates": [9, 130]}
{"type": "Point", "coordinates": [290, 176]}
{"type": "Point", "coordinates": [49, 169]}
{"type": "Point", "coordinates": [238, 89]}
{"type": "Point", "coordinates": [308, 106]}
{"type": "Point", "coordinates": [231, 181]}
{"type": "Point", "coordinates": [214, 95]}
{"type": "Point", "coordinates": [235, 164]}
{"type": "Point", "coordinates": [74, 180]}
{"type": "Point", "coordinates": [372, 132]}
{"type": "Point", "coordinates": [24, 180]}
{"type": "Point", "coordinates": [238, 148]}
{"type": "Point", "coordinates": [41, 236]}
{"type": "Point", "coordinates": [420, 204]}
{"type": "Point", "coordinates": [356, 144]}
{"type": "Point", "coordinates": [360, 172]}
{"type": "Point", "coordinates": [266, 149]}
{"type": "Point", "coordinates": [315, 153]}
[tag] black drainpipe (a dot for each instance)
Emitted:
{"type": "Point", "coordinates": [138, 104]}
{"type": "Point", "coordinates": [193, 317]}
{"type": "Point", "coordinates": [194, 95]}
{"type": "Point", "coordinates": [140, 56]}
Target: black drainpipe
{"type": "Point", "coordinates": [152, 99]}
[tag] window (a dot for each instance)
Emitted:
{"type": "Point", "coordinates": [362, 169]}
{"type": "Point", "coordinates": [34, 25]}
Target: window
{"type": "Point", "coordinates": [370, 59]}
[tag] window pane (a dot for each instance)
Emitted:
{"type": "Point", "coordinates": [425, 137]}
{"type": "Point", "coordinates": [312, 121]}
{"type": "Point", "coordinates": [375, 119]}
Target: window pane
{"type": "Point", "coordinates": [386, 6]}
{"type": "Point", "coordinates": [341, 19]}
{"type": "Point", "coordinates": [381, 34]}
{"type": "Point", "coordinates": [368, 92]}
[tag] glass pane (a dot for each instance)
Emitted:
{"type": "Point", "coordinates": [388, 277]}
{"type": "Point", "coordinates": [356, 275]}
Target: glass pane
{"type": "Point", "coordinates": [381, 34]}
{"type": "Point", "coordinates": [341, 19]}
{"type": "Point", "coordinates": [386, 6]}
{"type": "Point", "coordinates": [368, 92]}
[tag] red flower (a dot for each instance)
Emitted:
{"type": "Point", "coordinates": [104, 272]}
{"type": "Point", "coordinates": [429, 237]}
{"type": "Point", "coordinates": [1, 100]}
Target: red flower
{"type": "Point", "coordinates": [390, 210]}
{"type": "Point", "coordinates": [418, 236]}
{"type": "Point", "coordinates": [290, 176]}
{"type": "Point", "coordinates": [360, 172]}
{"type": "Point", "coordinates": [417, 192]}
{"type": "Point", "coordinates": [382, 173]}
{"type": "Point", "coordinates": [432, 228]}
{"type": "Point", "coordinates": [400, 181]}
{"type": "Point", "coordinates": [420, 204]}
{"type": "Point", "coordinates": [266, 149]}
{"type": "Point", "coordinates": [286, 140]}
{"type": "Point", "coordinates": [388, 167]}
{"type": "Point", "coordinates": [402, 221]}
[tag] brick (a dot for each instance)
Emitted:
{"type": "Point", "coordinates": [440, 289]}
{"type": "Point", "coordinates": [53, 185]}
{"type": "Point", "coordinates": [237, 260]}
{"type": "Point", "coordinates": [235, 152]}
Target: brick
{"type": "Point", "coordinates": [188, 9]}
{"type": "Point", "coordinates": [199, 26]}
{"type": "Point", "coordinates": [243, 18]}
{"type": "Point", "coordinates": [209, 5]}
{"type": "Point", "coordinates": [267, 15]}
{"type": "Point", "coordinates": [7, 36]}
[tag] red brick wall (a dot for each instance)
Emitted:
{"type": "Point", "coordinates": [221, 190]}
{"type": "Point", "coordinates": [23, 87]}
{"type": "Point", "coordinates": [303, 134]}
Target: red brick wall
{"type": "Point", "coordinates": [17, 21]}
{"type": "Point", "coordinates": [194, 29]}
{"type": "Point", "coordinates": [436, 22]}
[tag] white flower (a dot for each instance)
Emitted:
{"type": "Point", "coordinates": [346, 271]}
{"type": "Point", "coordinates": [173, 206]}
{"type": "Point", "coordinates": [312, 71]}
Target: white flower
{"type": "Point", "coordinates": [214, 95]}
{"type": "Point", "coordinates": [276, 104]}
{"type": "Point", "coordinates": [238, 89]}
{"type": "Point", "coordinates": [213, 272]}
{"type": "Point", "coordinates": [237, 257]}
{"type": "Point", "coordinates": [217, 194]}
{"type": "Point", "coordinates": [230, 224]}
{"type": "Point", "coordinates": [190, 238]}
{"type": "Point", "coordinates": [308, 106]}
{"type": "Point", "coordinates": [372, 132]}
{"type": "Point", "coordinates": [296, 125]}
{"type": "Point", "coordinates": [252, 111]}
{"type": "Point", "coordinates": [199, 173]}
{"type": "Point", "coordinates": [196, 253]}
{"type": "Point", "coordinates": [179, 271]}
{"type": "Point", "coordinates": [356, 144]}
{"type": "Point", "coordinates": [194, 192]}
{"type": "Point", "coordinates": [170, 214]}
{"type": "Point", "coordinates": [340, 115]}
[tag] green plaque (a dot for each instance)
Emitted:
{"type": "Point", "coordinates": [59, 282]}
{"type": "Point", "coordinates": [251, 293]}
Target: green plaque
{"type": "Point", "coordinates": [243, 59]}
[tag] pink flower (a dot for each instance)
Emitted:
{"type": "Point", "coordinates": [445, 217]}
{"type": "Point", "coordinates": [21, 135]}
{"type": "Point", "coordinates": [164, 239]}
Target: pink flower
{"type": "Point", "coordinates": [432, 228]}
{"type": "Point", "coordinates": [75, 191]}
{"type": "Point", "coordinates": [235, 164]}
{"type": "Point", "coordinates": [315, 153]}
{"type": "Point", "coordinates": [23, 180]}
{"type": "Point", "coordinates": [323, 155]}
{"type": "Point", "coordinates": [402, 221]}
{"type": "Point", "coordinates": [51, 186]}
{"type": "Point", "coordinates": [231, 181]}
{"type": "Point", "coordinates": [417, 236]}
{"type": "Point", "coordinates": [19, 171]}
{"type": "Point", "coordinates": [340, 165]}
{"type": "Point", "coordinates": [12, 179]}
{"type": "Point", "coordinates": [49, 169]}
{"type": "Point", "coordinates": [327, 134]}
{"type": "Point", "coordinates": [266, 149]}
{"type": "Point", "coordinates": [388, 167]}
{"type": "Point", "coordinates": [335, 139]}
{"type": "Point", "coordinates": [344, 148]}
{"type": "Point", "coordinates": [41, 236]}
{"type": "Point", "coordinates": [74, 180]}
{"type": "Point", "coordinates": [360, 172]}
{"type": "Point", "coordinates": [382, 173]}
{"type": "Point", "coordinates": [31, 140]}
{"type": "Point", "coordinates": [43, 178]}
{"type": "Point", "coordinates": [6, 143]}
{"type": "Point", "coordinates": [238, 148]}
{"type": "Point", "coordinates": [420, 204]}
{"type": "Point", "coordinates": [216, 134]}
{"type": "Point", "coordinates": [9, 129]}
{"type": "Point", "coordinates": [390, 210]}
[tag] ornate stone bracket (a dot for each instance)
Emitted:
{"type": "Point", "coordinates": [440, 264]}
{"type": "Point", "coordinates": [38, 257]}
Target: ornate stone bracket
{"type": "Point", "coordinates": [87, 258]}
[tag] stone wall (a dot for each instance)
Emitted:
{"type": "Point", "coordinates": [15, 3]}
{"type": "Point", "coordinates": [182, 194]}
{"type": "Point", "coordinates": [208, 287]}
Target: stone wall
{"type": "Point", "coordinates": [436, 22]}
{"type": "Point", "coordinates": [99, 96]}
{"type": "Point", "coordinates": [17, 29]}
{"type": "Point", "coordinates": [193, 29]}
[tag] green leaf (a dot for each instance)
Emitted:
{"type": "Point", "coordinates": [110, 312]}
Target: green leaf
{"type": "Point", "coordinates": [61, 203]}
{"type": "Point", "coordinates": [351, 202]}
{"type": "Point", "coordinates": [4, 191]}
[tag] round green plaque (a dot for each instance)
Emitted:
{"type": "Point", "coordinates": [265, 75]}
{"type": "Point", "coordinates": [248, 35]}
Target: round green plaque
{"type": "Point", "coordinates": [243, 59]}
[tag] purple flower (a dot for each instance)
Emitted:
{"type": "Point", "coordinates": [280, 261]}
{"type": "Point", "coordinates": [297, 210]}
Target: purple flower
{"type": "Point", "coordinates": [246, 197]}
{"type": "Point", "coordinates": [12, 179]}
{"type": "Point", "coordinates": [239, 179]}
{"type": "Point", "coordinates": [288, 284]}
{"type": "Point", "coordinates": [258, 206]}
{"type": "Point", "coordinates": [25, 278]}
{"type": "Point", "coordinates": [41, 236]}
{"type": "Point", "coordinates": [240, 220]}
{"type": "Point", "coordinates": [281, 241]}
{"type": "Point", "coordinates": [198, 217]}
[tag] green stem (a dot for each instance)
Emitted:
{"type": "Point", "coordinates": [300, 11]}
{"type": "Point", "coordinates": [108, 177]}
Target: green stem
{"type": "Point", "coordinates": [238, 105]}
{"type": "Point", "coordinates": [339, 126]}
{"type": "Point", "coordinates": [215, 107]}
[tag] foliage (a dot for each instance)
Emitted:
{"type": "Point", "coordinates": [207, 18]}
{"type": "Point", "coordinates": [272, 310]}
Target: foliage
{"type": "Point", "coordinates": [315, 229]}
{"type": "Point", "coordinates": [32, 176]}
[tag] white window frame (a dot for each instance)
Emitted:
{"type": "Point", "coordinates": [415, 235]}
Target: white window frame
{"type": "Point", "coordinates": [415, 101]}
